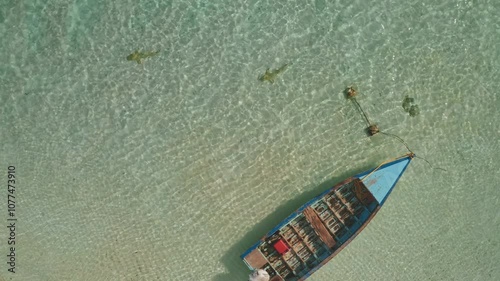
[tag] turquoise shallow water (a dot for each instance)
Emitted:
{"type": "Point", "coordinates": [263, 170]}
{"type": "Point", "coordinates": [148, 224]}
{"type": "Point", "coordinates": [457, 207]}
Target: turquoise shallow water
{"type": "Point", "coordinates": [169, 170]}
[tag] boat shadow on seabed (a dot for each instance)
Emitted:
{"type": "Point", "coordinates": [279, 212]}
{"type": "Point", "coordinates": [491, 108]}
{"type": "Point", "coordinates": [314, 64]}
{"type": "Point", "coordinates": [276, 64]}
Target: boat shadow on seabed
{"type": "Point", "coordinates": [237, 270]}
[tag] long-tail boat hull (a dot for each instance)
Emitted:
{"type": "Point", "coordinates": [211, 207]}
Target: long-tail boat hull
{"type": "Point", "coordinates": [322, 227]}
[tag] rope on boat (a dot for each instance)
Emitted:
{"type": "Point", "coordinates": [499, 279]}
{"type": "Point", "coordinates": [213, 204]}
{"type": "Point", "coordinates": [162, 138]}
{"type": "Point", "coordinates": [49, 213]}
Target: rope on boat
{"type": "Point", "coordinates": [406, 145]}
{"type": "Point", "coordinates": [411, 155]}
{"type": "Point", "coordinates": [373, 129]}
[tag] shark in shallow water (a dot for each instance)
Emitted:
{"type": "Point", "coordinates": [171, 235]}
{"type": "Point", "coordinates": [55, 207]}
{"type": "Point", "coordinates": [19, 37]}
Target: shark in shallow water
{"type": "Point", "coordinates": [139, 56]}
{"type": "Point", "coordinates": [270, 75]}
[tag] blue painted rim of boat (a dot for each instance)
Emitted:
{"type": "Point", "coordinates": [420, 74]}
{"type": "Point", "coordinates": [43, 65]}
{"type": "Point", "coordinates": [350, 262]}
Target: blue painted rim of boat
{"type": "Point", "coordinates": [407, 158]}
{"type": "Point", "coordinates": [397, 180]}
{"type": "Point", "coordinates": [404, 158]}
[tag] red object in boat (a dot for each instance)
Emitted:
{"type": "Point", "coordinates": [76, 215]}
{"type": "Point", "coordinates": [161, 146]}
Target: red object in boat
{"type": "Point", "coordinates": [281, 247]}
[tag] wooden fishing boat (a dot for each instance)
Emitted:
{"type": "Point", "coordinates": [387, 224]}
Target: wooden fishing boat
{"type": "Point", "coordinates": [322, 227]}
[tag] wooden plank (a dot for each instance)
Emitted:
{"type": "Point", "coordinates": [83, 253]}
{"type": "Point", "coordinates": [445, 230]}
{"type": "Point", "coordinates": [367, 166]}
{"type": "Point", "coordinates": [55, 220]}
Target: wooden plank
{"type": "Point", "coordinates": [362, 193]}
{"type": "Point", "coordinates": [256, 259]}
{"type": "Point", "coordinates": [276, 278]}
{"type": "Point", "coordinates": [319, 227]}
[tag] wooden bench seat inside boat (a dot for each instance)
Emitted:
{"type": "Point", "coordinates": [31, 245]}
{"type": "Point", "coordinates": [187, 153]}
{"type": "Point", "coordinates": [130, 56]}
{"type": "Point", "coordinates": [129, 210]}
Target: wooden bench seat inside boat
{"type": "Point", "coordinates": [256, 259]}
{"type": "Point", "coordinates": [320, 228]}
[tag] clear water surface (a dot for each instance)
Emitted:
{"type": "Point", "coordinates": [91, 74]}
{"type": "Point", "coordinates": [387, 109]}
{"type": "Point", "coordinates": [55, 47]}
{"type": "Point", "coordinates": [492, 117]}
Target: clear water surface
{"type": "Point", "coordinates": [170, 169]}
